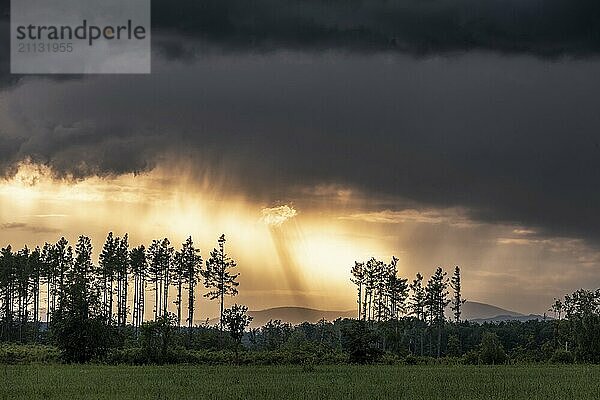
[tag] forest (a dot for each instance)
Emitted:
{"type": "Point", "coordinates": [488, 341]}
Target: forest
{"type": "Point", "coordinates": [137, 306]}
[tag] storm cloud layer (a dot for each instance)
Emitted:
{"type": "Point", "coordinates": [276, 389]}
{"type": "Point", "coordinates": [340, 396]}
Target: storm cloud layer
{"type": "Point", "coordinates": [541, 27]}
{"type": "Point", "coordinates": [508, 139]}
{"type": "Point", "coordinates": [546, 28]}
{"type": "Point", "coordinates": [308, 93]}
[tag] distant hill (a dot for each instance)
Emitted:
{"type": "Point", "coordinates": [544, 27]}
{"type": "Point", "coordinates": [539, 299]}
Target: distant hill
{"type": "Point", "coordinates": [296, 315]}
{"type": "Point", "coordinates": [472, 311]}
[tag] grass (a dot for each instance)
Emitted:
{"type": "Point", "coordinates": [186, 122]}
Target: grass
{"type": "Point", "coordinates": [290, 382]}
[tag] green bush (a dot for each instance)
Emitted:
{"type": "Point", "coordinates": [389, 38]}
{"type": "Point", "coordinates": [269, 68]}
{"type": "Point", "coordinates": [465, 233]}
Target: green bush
{"type": "Point", "coordinates": [562, 356]}
{"type": "Point", "coordinates": [27, 354]}
{"type": "Point", "coordinates": [358, 340]}
{"type": "Point", "coordinates": [390, 359]}
{"type": "Point", "coordinates": [471, 357]}
{"type": "Point", "coordinates": [492, 351]}
{"type": "Point", "coordinates": [411, 360]}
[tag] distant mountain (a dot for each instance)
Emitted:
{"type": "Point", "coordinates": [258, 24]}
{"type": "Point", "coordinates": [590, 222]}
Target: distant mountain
{"type": "Point", "coordinates": [481, 312]}
{"type": "Point", "coordinates": [296, 315]}
{"type": "Point", "coordinates": [472, 311]}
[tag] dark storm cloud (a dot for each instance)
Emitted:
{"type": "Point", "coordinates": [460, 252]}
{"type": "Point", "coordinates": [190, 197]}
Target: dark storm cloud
{"type": "Point", "coordinates": [186, 29]}
{"type": "Point", "coordinates": [541, 27]}
{"type": "Point", "coordinates": [509, 139]}
{"type": "Point", "coordinates": [97, 149]}
{"type": "Point", "coordinates": [9, 153]}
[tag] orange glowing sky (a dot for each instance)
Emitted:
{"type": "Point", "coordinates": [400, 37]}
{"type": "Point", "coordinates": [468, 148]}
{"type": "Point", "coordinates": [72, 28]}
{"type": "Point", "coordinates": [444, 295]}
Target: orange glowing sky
{"type": "Point", "coordinates": [295, 254]}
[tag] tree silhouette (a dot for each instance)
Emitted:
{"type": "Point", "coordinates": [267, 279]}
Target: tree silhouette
{"type": "Point", "coordinates": [418, 298]}
{"type": "Point", "coordinates": [436, 301]}
{"type": "Point", "coordinates": [457, 300]}
{"type": "Point", "coordinates": [236, 320]}
{"type": "Point", "coordinates": [160, 257]}
{"type": "Point", "coordinates": [218, 278]}
{"type": "Point", "coordinates": [80, 330]}
{"type": "Point", "coordinates": [122, 271]}
{"type": "Point", "coordinates": [48, 274]}
{"type": "Point", "coordinates": [62, 259]}
{"type": "Point", "coordinates": [108, 268]}
{"type": "Point", "coordinates": [371, 270]}
{"type": "Point", "coordinates": [358, 278]}
{"type": "Point", "coordinates": [397, 290]}
{"type": "Point", "coordinates": [190, 264]}
{"type": "Point", "coordinates": [417, 304]}
{"type": "Point", "coordinates": [139, 270]}
{"type": "Point", "coordinates": [8, 269]}
{"type": "Point", "coordinates": [36, 271]}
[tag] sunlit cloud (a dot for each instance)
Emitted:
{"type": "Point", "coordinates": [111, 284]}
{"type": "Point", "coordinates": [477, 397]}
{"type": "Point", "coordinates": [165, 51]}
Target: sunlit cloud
{"type": "Point", "coordinates": [276, 216]}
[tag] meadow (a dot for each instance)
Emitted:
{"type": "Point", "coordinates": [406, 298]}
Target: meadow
{"type": "Point", "coordinates": [56, 381]}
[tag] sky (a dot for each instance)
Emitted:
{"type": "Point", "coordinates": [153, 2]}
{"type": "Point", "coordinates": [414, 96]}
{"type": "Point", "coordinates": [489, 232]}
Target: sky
{"type": "Point", "coordinates": [315, 133]}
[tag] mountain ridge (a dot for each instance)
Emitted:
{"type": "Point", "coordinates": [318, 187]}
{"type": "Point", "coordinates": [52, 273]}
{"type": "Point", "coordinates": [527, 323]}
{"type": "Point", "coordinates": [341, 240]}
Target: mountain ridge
{"type": "Point", "coordinates": [472, 311]}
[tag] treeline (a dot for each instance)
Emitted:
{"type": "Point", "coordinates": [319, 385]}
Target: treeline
{"type": "Point", "coordinates": [416, 314]}
{"type": "Point", "coordinates": [97, 312]}
{"type": "Point", "coordinates": [382, 296]}
{"type": "Point", "coordinates": [336, 342]}
{"type": "Point", "coordinates": [88, 306]}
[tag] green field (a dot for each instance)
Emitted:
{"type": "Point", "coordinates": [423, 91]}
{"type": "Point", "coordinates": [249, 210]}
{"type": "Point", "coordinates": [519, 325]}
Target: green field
{"type": "Point", "coordinates": [321, 382]}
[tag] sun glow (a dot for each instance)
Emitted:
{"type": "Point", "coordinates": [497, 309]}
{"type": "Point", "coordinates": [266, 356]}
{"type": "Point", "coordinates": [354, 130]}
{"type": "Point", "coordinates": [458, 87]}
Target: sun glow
{"type": "Point", "coordinates": [285, 256]}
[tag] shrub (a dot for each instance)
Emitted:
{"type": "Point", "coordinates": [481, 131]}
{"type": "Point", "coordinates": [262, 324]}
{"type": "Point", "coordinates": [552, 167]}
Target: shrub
{"type": "Point", "coordinates": [470, 358]}
{"type": "Point", "coordinates": [27, 354]}
{"type": "Point", "coordinates": [562, 356]}
{"type": "Point", "coordinates": [410, 360]}
{"type": "Point", "coordinates": [421, 360]}
{"type": "Point", "coordinates": [389, 359]}
{"type": "Point", "coordinates": [492, 351]}
{"type": "Point", "coordinates": [358, 339]}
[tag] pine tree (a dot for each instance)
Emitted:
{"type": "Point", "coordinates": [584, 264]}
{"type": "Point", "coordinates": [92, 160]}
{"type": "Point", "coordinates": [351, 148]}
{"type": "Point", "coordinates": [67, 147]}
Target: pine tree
{"type": "Point", "coordinates": [398, 291]}
{"type": "Point", "coordinates": [139, 269]}
{"type": "Point", "coordinates": [160, 258]}
{"type": "Point", "coordinates": [418, 298]}
{"type": "Point", "coordinates": [370, 284]}
{"type": "Point", "coordinates": [358, 278]}
{"type": "Point", "coordinates": [217, 277]}
{"type": "Point", "coordinates": [177, 279]}
{"type": "Point", "coordinates": [62, 259]}
{"type": "Point", "coordinates": [80, 331]}
{"type": "Point", "coordinates": [35, 282]}
{"type": "Point", "coordinates": [24, 272]}
{"type": "Point", "coordinates": [381, 285]}
{"type": "Point", "coordinates": [436, 302]}
{"type": "Point", "coordinates": [48, 275]}
{"type": "Point", "coordinates": [190, 263]}
{"type": "Point", "coordinates": [122, 267]}
{"type": "Point", "coordinates": [417, 304]}
{"type": "Point", "coordinates": [457, 300]}
{"type": "Point", "coordinates": [8, 270]}
{"type": "Point", "coordinates": [108, 267]}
